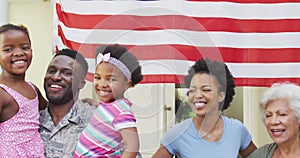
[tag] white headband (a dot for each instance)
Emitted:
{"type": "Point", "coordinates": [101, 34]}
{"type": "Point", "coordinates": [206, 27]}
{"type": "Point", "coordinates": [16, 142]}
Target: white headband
{"type": "Point", "coordinates": [117, 63]}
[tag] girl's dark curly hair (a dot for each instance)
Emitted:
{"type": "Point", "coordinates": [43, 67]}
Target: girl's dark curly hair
{"type": "Point", "coordinates": [128, 59]}
{"type": "Point", "coordinates": [222, 74]}
{"type": "Point", "coordinates": [7, 27]}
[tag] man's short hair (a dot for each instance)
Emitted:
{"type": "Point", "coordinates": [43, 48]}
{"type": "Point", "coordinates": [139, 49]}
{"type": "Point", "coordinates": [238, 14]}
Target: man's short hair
{"type": "Point", "coordinates": [76, 56]}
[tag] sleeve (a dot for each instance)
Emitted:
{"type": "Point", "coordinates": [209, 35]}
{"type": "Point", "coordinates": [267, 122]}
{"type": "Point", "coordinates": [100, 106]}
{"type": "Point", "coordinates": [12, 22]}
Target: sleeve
{"type": "Point", "coordinates": [124, 120]}
{"type": "Point", "coordinates": [125, 117]}
{"type": "Point", "coordinates": [172, 140]}
{"type": "Point", "coordinates": [169, 141]}
{"type": "Point", "coordinates": [246, 138]}
{"type": "Point", "coordinates": [266, 150]}
{"type": "Point", "coordinates": [257, 153]}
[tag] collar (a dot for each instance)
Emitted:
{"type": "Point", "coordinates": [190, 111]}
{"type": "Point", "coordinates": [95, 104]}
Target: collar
{"type": "Point", "coordinates": [71, 117]}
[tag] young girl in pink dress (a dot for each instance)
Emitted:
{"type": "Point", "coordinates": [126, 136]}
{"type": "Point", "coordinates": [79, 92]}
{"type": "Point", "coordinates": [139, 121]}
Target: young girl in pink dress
{"type": "Point", "coordinates": [20, 100]}
{"type": "Point", "coordinates": [112, 131]}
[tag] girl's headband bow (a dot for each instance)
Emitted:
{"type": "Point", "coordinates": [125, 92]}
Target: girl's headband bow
{"type": "Point", "coordinates": [117, 63]}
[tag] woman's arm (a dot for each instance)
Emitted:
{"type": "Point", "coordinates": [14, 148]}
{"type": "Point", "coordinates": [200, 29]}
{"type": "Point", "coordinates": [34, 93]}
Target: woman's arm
{"type": "Point", "coordinates": [132, 143]}
{"type": "Point", "coordinates": [246, 152]}
{"type": "Point", "coordinates": [162, 152]}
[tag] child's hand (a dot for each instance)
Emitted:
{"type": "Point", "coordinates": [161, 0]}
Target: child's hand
{"type": "Point", "coordinates": [90, 101]}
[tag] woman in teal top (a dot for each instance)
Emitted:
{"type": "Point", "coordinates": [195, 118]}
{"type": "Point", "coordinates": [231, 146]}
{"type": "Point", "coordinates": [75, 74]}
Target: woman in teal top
{"type": "Point", "coordinates": [280, 107]}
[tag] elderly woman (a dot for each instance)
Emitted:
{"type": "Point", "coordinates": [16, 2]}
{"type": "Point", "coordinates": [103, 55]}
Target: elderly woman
{"type": "Point", "coordinates": [280, 107]}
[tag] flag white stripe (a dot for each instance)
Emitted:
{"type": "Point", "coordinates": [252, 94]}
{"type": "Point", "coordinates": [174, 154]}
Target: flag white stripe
{"type": "Point", "coordinates": [265, 70]}
{"type": "Point", "coordinates": [184, 37]}
{"type": "Point", "coordinates": [239, 70]}
{"type": "Point", "coordinates": [194, 9]}
{"type": "Point", "coordinates": [60, 45]}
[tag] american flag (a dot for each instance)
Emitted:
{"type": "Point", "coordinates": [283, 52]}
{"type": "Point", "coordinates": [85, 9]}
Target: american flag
{"type": "Point", "coordinates": [259, 40]}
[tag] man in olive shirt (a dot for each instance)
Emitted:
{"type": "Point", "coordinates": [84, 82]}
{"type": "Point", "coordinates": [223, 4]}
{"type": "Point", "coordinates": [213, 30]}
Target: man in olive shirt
{"type": "Point", "coordinates": [65, 116]}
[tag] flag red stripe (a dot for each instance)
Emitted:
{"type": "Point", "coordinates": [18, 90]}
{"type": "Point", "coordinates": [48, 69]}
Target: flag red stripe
{"type": "Point", "coordinates": [262, 82]}
{"type": "Point", "coordinates": [179, 79]}
{"type": "Point", "coordinates": [131, 22]}
{"type": "Point", "coordinates": [151, 78]}
{"type": "Point", "coordinates": [184, 52]}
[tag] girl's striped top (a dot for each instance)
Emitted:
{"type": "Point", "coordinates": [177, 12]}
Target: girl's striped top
{"type": "Point", "coordinates": [101, 138]}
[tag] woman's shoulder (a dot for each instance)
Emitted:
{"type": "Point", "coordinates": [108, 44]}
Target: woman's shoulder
{"type": "Point", "coordinates": [177, 131]}
{"type": "Point", "coordinates": [182, 126]}
{"type": "Point", "coordinates": [232, 121]}
{"type": "Point", "coordinates": [265, 151]}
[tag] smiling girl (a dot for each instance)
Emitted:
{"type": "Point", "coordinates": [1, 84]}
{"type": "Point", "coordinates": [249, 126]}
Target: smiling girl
{"type": "Point", "coordinates": [112, 130]}
{"type": "Point", "coordinates": [20, 100]}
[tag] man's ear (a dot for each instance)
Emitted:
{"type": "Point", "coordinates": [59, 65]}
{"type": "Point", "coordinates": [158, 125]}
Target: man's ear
{"type": "Point", "coordinates": [81, 84]}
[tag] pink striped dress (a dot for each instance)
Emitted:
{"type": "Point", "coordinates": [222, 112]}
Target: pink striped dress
{"type": "Point", "coordinates": [101, 138]}
{"type": "Point", "coordinates": [19, 136]}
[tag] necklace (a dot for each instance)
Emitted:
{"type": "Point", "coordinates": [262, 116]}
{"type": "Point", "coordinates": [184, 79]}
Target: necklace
{"type": "Point", "coordinates": [210, 132]}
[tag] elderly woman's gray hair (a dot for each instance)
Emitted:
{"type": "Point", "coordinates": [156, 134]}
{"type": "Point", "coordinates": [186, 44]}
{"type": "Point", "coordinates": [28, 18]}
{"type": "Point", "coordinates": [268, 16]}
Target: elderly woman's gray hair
{"type": "Point", "coordinates": [286, 90]}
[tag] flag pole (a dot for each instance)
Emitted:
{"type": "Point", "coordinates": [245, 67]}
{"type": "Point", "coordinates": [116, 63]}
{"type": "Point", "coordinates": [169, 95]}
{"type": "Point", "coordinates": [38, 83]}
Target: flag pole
{"type": "Point", "coordinates": [3, 11]}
